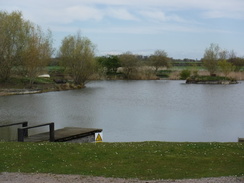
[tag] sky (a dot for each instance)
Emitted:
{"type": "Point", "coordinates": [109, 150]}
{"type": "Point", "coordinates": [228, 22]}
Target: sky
{"type": "Point", "coordinates": [182, 28]}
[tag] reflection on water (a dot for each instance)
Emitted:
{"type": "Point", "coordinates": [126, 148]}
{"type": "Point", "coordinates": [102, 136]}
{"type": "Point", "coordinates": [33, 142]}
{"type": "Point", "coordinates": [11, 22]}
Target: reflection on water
{"type": "Point", "coordinates": [137, 110]}
{"type": "Point", "coordinates": [8, 134]}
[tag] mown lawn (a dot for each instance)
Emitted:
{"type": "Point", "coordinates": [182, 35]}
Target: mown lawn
{"type": "Point", "coordinates": [143, 160]}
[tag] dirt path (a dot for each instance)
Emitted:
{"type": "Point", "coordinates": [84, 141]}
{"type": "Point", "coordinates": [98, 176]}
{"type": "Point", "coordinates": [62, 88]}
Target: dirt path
{"type": "Point", "coordinates": [53, 178]}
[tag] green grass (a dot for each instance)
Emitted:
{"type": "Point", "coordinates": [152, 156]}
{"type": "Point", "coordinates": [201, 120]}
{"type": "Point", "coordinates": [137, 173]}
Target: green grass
{"type": "Point", "coordinates": [143, 160]}
{"type": "Point", "coordinates": [55, 69]}
{"type": "Point", "coordinates": [43, 81]}
{"type": "Point", "coordinates": [25, 81]}
{"type": "Point", "coordinates": [179, 68]}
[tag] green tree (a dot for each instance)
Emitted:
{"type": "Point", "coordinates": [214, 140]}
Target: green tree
{"type": "Point", "coordinates": [237, 62]}
{"type": "Point", "coordinates": [110, 62]}
{"type": "Point", "coordinates": [36, 52]}
{"type": "Point", "coordinates": [226, 67]}
{"type": "Point", "coordinates": [129, 62]}
{"type": "Point", "coordinates": [11, 41]}
{"type": "Point", "coordinates": [23, 46]}
{"type": "Point", "coordinates": [159, 59]}
{"type": "Point", "coordinates": [211, 58]}
{"type": "Point", "coordinates": [77, 54]}
{"type": "Point", "coordinates": [184, 74]}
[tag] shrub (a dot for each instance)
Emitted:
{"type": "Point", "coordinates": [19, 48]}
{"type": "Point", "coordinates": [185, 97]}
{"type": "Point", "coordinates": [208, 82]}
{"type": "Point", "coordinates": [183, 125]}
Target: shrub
{"type": "Point", "coordinates": [184, 74]}
{"type": "Point", "coordinates": [163, 73]}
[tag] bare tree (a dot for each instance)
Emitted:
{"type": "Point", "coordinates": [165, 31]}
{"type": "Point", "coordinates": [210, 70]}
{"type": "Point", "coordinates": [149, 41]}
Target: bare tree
{"type": "Point", "coordinates": [232, 54]}
{"type": "Point", "coordinates": [77, 54]}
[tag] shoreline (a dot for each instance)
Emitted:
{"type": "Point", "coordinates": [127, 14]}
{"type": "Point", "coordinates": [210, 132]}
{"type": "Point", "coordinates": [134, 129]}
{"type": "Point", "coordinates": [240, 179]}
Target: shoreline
{"type": "Point", "coordinates": [8, 91]}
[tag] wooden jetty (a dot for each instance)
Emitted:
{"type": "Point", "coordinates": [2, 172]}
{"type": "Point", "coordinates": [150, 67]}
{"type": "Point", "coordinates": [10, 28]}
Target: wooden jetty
{"type": "Point", "coordinates": [68, 134]}
{"type": "Point", "coordinates": [240, 139]}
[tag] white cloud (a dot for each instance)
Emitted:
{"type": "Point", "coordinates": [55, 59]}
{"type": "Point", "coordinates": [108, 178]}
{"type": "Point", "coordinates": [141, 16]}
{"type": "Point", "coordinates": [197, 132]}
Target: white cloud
{"type": "Point", "coordinates": [157, 15]}
{"type": "Point", "coordinates": [66, 15]}
{"type": "Point", "coordinates": [214, 14]}
{"type": "Point", "coordinates": [62, 13]}
{"type": "Point", "coordinates": [83, 13]}
{"type": "Point", "coordinates": [120, 13]}
{"type": "Point", "coordinates": [154, 15]}
{"type": "Point", "coordinates": [67, 11]}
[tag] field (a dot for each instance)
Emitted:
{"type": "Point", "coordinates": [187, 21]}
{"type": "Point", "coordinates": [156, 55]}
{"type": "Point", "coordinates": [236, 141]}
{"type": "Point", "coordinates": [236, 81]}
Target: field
{"type": "Point", "coordinates": [142, 160]}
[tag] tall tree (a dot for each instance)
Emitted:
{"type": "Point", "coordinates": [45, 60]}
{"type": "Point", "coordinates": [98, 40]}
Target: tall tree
{"type": "Point", "coordinates": [22, 45]}
{"type": "Point", "coordinates": [159, 59]}
{"type": "Point", "coordinates": [37, 51]}
{"type": "Point", "coordinates": [211, 57]}
{"type": "Point", "coordinates": [129, 62]}
{"type": "Point", "coordinates": [11, 37]}
{"type": "Point", "coordinates": [232, 54]}
{"type": "Point", "coordinates": [77, 54]}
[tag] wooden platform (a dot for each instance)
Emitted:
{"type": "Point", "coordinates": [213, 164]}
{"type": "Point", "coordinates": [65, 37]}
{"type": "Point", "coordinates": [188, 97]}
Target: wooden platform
{"type": "Point", "coordinates": [240, 139]}
{"type": "Point", "coordinates": [68, 134]}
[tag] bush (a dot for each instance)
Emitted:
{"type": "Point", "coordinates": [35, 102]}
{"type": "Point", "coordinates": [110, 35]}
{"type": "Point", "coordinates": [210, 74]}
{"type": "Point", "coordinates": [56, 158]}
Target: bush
{"type": "Point", "coordinates": [163, 73]}
{"type": "Point", "coordinates": [184, 74]}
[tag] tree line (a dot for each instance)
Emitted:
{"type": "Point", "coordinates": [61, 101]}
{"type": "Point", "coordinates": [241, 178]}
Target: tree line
{"type": "Point", "coordinates": [132, 64]}
{"type": "Point", "coordinates": [26, 50]}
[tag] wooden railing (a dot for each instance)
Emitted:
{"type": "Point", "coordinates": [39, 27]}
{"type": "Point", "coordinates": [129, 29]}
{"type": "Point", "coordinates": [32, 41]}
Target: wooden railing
{"type": "Point", "coordinates": [24, 124]}
{"type": "Point", "coordinates": [22, 131]}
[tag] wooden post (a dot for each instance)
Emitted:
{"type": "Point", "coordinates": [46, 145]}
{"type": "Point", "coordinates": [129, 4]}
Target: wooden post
{"type": "Point", "coordinates": [51, 132]}
{"type": "Point", "coordinates": [20, 135]}
{"type": "Point", "coordinates": [25, 124]}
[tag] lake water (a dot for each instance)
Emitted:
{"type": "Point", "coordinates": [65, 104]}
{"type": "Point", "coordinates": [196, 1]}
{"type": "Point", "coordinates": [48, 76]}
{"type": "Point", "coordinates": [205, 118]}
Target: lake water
{"type": "Point", "coordinates": [135, 111]}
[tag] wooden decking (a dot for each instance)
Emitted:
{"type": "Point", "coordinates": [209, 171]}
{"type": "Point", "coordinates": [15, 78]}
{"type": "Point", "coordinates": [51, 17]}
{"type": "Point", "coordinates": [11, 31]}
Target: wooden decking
{"type": "Point", "coordinates": [64, 135]}
{"type": "Point", "coordinates": [240, 139]}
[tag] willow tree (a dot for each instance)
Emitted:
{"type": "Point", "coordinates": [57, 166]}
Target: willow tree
{"type": "Point", "coordinates": [11, 36]}
{"type": "Point", "coordinates": [212, 56]}
{"type": "Point", "coordinates": [129, 62]}
{"type": "Point", "coordinates": [23, 46]}
{"type": "Point", "coordinates": [36, 52]}
{"type": "Point", "coordinates": [159, 59]}
{"type": "Point", "coordinates": [77, 54]}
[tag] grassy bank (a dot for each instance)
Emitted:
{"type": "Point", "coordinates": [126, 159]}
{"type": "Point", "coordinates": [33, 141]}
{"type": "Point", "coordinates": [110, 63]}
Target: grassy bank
{"type": "Point", "coordinates": [143, 160]}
